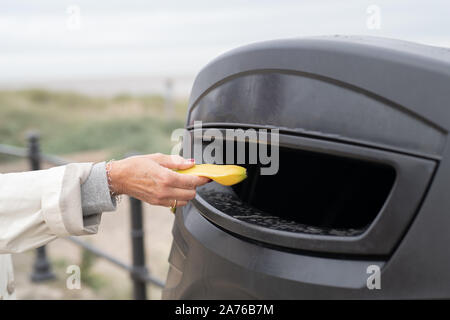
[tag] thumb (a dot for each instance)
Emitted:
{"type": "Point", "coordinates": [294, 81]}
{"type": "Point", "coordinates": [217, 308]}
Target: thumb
{"type": "Point", "coordinates": [176, 162]}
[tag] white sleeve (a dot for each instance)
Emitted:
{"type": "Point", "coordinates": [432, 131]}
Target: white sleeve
{"type": "Point", "coordinates": [38, 206]}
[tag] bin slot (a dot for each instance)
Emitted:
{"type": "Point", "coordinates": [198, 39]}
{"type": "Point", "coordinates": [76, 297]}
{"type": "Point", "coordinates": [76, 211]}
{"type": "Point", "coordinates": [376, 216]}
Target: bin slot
{"type": "Point", "coordinates": [312, 193]}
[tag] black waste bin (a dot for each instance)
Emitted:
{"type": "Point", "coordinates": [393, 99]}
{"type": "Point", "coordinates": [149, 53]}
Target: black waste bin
{"type": "Point", "coordinates": [360, 204]}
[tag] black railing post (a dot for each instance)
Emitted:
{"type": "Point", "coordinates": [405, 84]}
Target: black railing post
{"type": "Point", "coordinates": [137, 241]}
{"type": "Point", "coordinates": [42, 269]}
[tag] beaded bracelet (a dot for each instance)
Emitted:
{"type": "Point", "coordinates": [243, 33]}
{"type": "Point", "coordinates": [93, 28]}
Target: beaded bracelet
{"type": "Point", "coordinates": [116, 197]}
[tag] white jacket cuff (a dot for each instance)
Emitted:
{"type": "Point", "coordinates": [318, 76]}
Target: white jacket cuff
{"type": "Point", "coordinates": [38, 206]}
{"type": "Point", "coordinates": [61, 200]}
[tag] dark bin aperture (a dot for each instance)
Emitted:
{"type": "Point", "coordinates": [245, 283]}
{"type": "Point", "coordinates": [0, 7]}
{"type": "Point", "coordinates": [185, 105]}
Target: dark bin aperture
{"type": "Point", "coordinates": [362, 176]}
{"type": "Point", "coordinates": [311, 193]}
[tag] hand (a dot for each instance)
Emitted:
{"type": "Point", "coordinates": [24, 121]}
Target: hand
{"type": "Point", "coordinates": [149, 178]}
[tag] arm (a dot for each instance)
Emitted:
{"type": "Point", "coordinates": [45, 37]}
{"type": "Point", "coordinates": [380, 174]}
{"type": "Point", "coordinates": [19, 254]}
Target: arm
{"type": "Point", "coordinates": [38, 206]}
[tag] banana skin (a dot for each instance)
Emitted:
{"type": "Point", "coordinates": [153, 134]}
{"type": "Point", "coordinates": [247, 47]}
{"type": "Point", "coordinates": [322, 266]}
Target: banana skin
{"type": "Point", "coordinates": [226, 175]}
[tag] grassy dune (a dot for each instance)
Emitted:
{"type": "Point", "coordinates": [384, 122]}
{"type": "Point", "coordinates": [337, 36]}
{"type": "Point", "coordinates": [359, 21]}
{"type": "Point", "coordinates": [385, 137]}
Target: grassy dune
{"type": "Point", "coordinates": [70, 122]}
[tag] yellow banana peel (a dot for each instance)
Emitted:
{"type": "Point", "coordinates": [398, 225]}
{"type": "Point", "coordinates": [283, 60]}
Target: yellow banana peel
{"type": "Point", "coordinates": [226, 175]}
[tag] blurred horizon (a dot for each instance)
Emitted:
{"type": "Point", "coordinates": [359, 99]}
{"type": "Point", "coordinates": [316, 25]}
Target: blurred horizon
{"type": "Point", "coordinates": [112, 47]}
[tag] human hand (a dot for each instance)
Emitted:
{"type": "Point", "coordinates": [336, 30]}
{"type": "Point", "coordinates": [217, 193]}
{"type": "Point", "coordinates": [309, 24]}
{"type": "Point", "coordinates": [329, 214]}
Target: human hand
{"type": "Point", "coordinates": [150, 178]}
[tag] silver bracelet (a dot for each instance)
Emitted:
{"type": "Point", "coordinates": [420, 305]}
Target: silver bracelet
{"type": "Point", "coordinates": [116, 197]}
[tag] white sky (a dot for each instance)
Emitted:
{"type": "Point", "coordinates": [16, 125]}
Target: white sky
{"type": "Point", "coordinates": [172, 38]}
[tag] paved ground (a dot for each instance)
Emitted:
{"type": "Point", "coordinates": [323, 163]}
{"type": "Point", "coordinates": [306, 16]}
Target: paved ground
{"type": "Point", "coordinates": [107, 281]}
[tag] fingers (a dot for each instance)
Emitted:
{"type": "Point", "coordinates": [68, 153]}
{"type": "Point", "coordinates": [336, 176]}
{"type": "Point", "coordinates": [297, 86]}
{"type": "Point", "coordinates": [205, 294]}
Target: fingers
{"type": "Point", "coordinates": [182, 194]}
{"type": "Point", "coordinates": [184, 181]}
{"type": "Point", "coordinates": [177, 162]}
{"type": "Point", "coordinates": [170, 202]}
{"type": "Point", "coordinates": [173, 161]}
{"type": "Point", "coordinates": [203, 180]}
{"type": "Point", "coordinates": [152, 179]}
{"type": "Point", "coordinates": [181, 203]}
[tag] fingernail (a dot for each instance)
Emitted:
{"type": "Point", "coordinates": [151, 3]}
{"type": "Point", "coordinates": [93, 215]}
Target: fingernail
{"type": "Point", "coordinates": [191, 160]}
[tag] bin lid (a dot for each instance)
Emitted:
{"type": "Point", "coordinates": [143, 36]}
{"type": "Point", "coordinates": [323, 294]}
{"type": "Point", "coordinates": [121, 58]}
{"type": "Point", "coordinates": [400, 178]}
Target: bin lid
{"type": "Point", "coordinates": [381, 92]}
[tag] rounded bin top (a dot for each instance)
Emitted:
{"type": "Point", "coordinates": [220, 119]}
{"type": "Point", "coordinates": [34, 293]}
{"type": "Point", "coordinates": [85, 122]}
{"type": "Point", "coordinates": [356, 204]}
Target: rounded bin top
{"type": "Point", "coordinates": [386, 92]}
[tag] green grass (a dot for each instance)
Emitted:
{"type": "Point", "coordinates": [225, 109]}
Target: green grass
{"type": "Point", "coordinates": [69, 122]}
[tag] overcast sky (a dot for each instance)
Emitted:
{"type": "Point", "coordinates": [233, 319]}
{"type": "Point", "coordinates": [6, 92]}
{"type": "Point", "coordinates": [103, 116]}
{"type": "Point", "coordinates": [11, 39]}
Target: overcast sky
{"type": "Point", "coordinates": [46, 40]}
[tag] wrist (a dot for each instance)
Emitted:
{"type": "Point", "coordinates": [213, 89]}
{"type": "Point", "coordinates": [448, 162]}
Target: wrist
{"type": "Point", "coordinates": [115, 172]}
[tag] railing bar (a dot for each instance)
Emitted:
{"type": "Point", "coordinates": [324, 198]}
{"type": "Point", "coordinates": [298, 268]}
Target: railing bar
{"type": "Point", "coordinates": [155, 281]}
{"type": "Point", "coordinates": [23, 152]}
{"type": "Point", "coordinates": [13, 151]}
{"type": "Point", "coordinates": [100, 253]}
{"type": "Point", "coordinates": [96, 251]}
{"type": "Point", "coordinates": [54, 159]}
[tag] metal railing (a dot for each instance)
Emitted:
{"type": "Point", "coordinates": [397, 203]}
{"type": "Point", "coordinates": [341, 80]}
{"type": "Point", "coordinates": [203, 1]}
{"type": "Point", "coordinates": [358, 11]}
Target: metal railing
{"type": "Point", "coordinates": [42, 269]}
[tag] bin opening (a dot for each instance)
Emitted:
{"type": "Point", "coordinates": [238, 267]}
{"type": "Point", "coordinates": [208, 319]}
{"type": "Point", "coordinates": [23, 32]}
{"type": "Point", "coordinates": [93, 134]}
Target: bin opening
{"type": "Point", "coordinates": [312, 193]}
